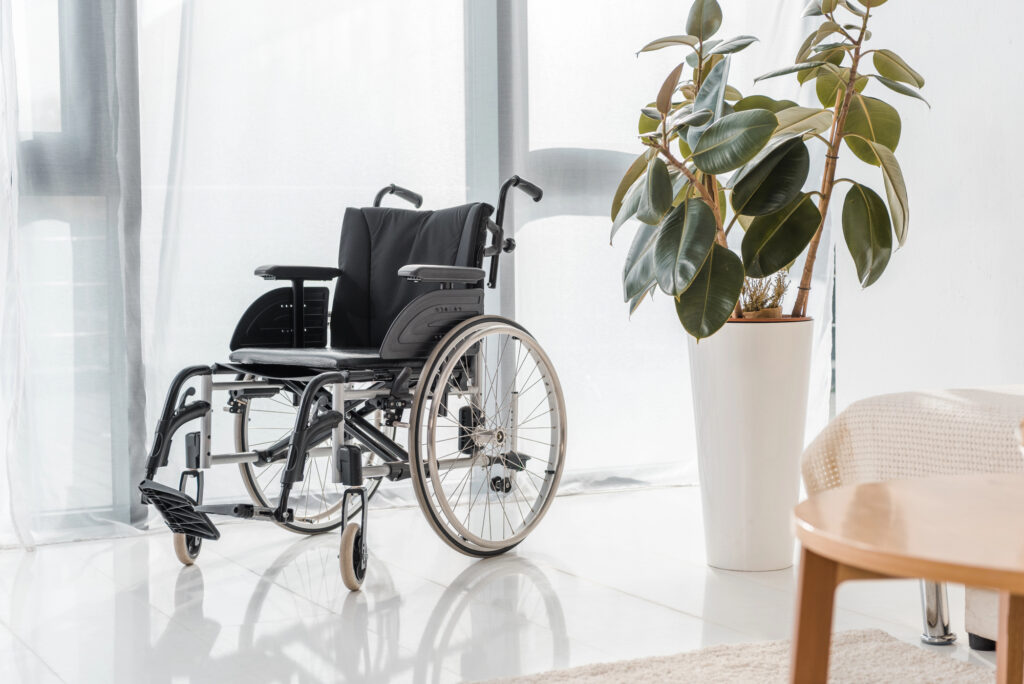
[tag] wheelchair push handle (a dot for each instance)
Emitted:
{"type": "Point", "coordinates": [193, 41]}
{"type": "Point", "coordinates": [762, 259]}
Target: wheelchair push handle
{"type": "Point", "coordinates": [413, 198]}
{"type": "Point", "coordinates": [498, 242]}
{"type": "Point", "coordinates": [526, 186]}
{"type": "Point", "coordinates": [529, 188]}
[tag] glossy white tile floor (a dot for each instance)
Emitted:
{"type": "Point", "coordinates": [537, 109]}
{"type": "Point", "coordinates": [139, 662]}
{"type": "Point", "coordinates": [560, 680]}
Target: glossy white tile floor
{"type": "Point", "coordinates": [605, 577]}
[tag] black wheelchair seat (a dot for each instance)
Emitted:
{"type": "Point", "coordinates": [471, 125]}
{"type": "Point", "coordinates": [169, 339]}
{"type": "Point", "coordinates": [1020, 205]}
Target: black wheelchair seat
{"type": "Point", "coordinates": [377, 314]}
{"type": "Point", "coordinates": [319, 359]}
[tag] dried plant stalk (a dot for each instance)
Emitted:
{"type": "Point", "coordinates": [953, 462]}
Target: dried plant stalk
{"type": "Point", "coordinates": [764, 293]}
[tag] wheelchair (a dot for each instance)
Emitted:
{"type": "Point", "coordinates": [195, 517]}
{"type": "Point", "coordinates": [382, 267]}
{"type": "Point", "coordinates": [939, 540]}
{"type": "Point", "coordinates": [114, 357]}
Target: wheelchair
{"type": "Point", "coordinates": [412, 358]}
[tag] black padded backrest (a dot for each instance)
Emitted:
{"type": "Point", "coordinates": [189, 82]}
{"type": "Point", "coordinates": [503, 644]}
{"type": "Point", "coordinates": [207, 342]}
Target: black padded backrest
{"type": "Point", "coordinates": [376, 242]}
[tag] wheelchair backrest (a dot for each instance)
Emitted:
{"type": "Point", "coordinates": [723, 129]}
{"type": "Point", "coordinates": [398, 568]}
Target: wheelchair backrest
{"type": "Point", "coordinates": [376, 242]}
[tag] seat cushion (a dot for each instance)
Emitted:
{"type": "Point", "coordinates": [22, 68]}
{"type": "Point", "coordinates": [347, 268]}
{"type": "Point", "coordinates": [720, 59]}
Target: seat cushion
{"type": "Point", "coordinates": [324, 359]}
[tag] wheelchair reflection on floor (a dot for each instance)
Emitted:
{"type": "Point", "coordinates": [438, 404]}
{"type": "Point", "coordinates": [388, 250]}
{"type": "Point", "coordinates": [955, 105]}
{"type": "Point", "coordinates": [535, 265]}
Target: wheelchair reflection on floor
{"type": "Point", "coordinates": [412, 357]}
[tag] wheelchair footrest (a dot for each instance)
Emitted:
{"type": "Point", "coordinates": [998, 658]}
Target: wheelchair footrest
{"type": "Point", "coordinates": [179, 510]}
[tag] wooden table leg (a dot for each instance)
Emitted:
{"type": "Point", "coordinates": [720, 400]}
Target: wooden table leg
{"type": "Point", "coordinates": [1010, 649]}
{"type": "Point", "coordinates": [812, 633]}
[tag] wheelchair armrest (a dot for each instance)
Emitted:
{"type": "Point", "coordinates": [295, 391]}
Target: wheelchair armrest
{"type": "Point", "coordinates": [297, 272]}
{"type": "Point", "coordinates": [425, 273]}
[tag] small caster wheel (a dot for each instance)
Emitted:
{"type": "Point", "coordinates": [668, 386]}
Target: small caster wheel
{"type": "Point", "coordinates": [501, 485]}
{"type": "Point", "coordinates": [353, 556]}
{"type": "Point", "coordinates": [186, 547]}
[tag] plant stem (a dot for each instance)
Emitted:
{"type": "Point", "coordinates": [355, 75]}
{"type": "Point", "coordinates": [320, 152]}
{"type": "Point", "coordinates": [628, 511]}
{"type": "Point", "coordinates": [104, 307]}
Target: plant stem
{"type": "Point", "coordinates": [842, 108]}
{"type": "Point", "coordinates": [670, 158]}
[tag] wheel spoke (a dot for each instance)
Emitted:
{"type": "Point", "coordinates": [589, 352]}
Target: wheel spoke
{"type": "Point", "coordinates": [475, 508]}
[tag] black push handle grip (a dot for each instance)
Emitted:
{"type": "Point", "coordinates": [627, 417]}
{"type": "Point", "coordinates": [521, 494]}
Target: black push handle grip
{"type": "Point", "coordinates": [529, 188]}
{"type": "Point", "coordinates": [413, 198]}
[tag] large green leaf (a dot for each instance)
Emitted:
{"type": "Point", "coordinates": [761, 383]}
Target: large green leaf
{"type": "Point", "coordinates": [630, 204]}
{"type": "Point", "coordinates": [868, 232]}
{"type": "Point", "coordinates": [712, 97]}
{"type": "Point", "coordinates": [775, 143]}
{"type": "Point", "coordinates": [648, 124]}
{"type": "Point", "coordinates": [828, 6]}
{"type": "Point", "coordinates": [704, 19]}
{"type": "Point", "coordinates": [813, 9]}
{"type": "Point", "coordinates": [830, 84]}
{"type": "Point", "coordinates": [664, 101]}
{"type": "Point", "coordinates": [711, 298]}
{"type": "Point", "coordinates": [656, 197]}
{"type": "Point", "coordinates": [638, 272]}
{"type": "Point", "coordinates": [802, 66]}
{"type": "Point", "coordinates": [697, 118]}
{"type": "Point", "coordinates": [826, 29]}
{"type": "Point", "coordinates": [632, 173]}
{"type": "Point", "coordinates": [852, 8]}
{"type": "Point", "coordinates": [873, 120]}
{"type": "Point", "coordinates": [774, 182]}
{"type": "Point", "coordinates": [895, 189]}
{"type": "Point", "coordinates": [830, 64]}
{"type": "Point", "coordinates": [733, 140]}
{"type": "Point", "coordinates": [669, 41]}
{"type": "Point", "coordinates": [762, 102]}
{"type": "Point", "coordinates": [803, 120]}
{"type": "Point", "coordinates": [686, 236]}
{"type": "Point", "coordinates": [777, 239]}
{"type": "Point", "coordinates": [708, 59]}
{"type": "Point", "coordinates": [805, 48]}
{"type": "Point", "coordinates": [732, 45]}
{"type": "Point", "coordinates": [635, 302]}
{"type": "Point", "coordinates": [891, 65]}
{"type": "Point", "coordinates": [901, 88]}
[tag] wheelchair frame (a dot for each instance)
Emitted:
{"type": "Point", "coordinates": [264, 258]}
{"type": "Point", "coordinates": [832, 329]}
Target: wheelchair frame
{"type": "Point", "coordinates": [333, 404]}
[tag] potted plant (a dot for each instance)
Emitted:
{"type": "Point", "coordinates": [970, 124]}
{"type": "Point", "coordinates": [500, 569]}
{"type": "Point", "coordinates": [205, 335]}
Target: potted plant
{"type": "Point", "coordinates": [714, 160]}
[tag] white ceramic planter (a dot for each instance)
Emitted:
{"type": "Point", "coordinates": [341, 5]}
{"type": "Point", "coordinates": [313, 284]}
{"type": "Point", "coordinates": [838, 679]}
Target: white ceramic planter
{"type": "Point", "coordinates": [749, 384]}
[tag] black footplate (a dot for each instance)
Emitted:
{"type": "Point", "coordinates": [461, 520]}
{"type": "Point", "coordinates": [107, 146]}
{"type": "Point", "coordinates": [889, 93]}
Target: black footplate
{"type": "Point", "coordinates": [179, 510]}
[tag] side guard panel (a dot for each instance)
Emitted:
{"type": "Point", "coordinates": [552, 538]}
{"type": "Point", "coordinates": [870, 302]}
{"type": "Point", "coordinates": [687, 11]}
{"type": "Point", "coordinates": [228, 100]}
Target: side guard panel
{"type": "Point", "coordinates": [426, 319]}
{"type": "Point", "coordinates": [268, 321]}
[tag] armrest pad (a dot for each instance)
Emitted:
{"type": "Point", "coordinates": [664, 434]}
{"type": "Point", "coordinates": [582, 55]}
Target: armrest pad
{"type": "Point", "coordinates": [441, 274]}
{"type": "Point", "coordinates": [297, 272]}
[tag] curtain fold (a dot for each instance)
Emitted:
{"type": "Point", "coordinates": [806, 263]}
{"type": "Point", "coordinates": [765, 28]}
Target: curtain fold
{"type": "Point", "coordinates": [74, 395]}
{"type": "Point", "coordinates": [13, 526]}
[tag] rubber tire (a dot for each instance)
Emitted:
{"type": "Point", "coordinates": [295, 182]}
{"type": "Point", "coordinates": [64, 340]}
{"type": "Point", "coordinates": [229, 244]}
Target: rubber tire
{"type": "Point", "coordinates": [353, 566]}
{"type": "Point", "coordinates": [181, 549]}
{"type": "Point", "coordinates": [419, 399]}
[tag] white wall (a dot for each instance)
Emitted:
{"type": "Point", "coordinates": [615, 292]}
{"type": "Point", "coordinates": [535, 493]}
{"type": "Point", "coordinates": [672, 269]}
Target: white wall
{"type": "Point", "coordinates": [947, 311]}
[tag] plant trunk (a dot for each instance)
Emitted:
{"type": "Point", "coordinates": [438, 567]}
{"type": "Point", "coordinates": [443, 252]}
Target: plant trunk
{"type": "Point", "coordinates": [828, 180]}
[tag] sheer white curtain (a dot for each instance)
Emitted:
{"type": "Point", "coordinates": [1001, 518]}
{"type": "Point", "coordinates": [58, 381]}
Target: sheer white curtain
{"type": "Point", "coordinates": [71, 344]}
{"type": "Point", "coordinates": [11, 334]}
{"type": "Point", "coordinates": [261, 122]}
{"type": "Point", "coordinates": [946, 313]}
{"type": "Point", "coordinates": [258, 123]}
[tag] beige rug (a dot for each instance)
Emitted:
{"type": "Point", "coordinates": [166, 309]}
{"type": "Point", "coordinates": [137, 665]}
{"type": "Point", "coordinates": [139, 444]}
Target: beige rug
{"type": "Point", "coordinates": [858, 657]}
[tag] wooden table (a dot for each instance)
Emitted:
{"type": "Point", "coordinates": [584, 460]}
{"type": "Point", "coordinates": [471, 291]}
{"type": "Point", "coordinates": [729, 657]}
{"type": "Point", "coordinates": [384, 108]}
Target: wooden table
{"type": "Point", "coordinates": [967, 529]}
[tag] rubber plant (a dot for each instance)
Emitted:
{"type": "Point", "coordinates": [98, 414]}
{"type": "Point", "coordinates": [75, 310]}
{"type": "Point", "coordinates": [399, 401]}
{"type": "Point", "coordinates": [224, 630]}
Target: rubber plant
{"type": "Point", "coordinates": [714, 159]}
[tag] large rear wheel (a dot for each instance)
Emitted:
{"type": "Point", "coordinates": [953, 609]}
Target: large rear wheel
{"type": "Point", "coordinates": [487, 436]}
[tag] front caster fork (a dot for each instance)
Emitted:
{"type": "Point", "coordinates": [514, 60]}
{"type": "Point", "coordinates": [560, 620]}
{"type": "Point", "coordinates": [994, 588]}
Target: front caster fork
{"type": "Point", "coordinates": [354, 552]}
{"type": "Point", "coordinates": [187, 548]}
